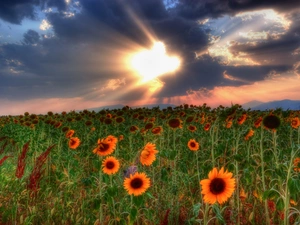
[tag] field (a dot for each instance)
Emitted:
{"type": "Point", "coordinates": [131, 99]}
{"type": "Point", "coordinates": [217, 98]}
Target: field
{"type": "Point", "coordinates": [55, 168]}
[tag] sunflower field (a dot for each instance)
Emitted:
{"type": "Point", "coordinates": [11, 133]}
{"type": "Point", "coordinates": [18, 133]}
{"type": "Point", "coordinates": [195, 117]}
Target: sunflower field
{"type": "Point", "coordinates": [180, 165]}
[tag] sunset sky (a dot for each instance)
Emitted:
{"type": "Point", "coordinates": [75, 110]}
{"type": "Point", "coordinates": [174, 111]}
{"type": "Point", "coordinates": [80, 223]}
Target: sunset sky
{"type": "Point", "coordinates": [63, 55]}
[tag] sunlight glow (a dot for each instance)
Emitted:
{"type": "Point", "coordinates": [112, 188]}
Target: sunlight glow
{"type": "Point", "coordinates": [153, 63]}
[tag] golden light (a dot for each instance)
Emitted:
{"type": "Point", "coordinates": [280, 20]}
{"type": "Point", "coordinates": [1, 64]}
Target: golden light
{"type": "Point", "coordinates": [154, 62]}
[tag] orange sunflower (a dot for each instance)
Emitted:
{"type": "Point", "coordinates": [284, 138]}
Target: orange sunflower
{"type": "Point", "coordinates": [297, 164]}
{"type": "Point", "coordinates": [257, 123]}
{"type": "Point", "coordinates": [157, 130]}
{"type": "Point", "coordinates": [70, 133]}
{"type": "Point", "coordinates": [249, 134]}
{"type": "Point", "coordinates": [148, 153]}
{"type": "Point", "coordinates": [218, 187]}
{"type": "Point", "coordinates": [106, 146]}
{"type": "Point", "coordinates": [110, 165]}
{"type": "Point", "coordinates": [295, 122]}
{"type": "Point", "coordinates": [207, 127]}
{"type": "Point", "coordinates": [242, 119]}
{"type": "Point", "coordinates": [136, 184]}
{"type": "Point", "coordinates": [192, 128]}
{"type": "Point", "coordinates": [74, 142]}
{"type": "Point", "coordinates": [193, 145]}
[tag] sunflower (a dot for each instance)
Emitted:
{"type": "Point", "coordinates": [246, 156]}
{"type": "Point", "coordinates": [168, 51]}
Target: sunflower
{"type": "Point", "coordinates": [295, 122]}
{"type": "Point", "coordinates": [218, 187]}
{"type": "Point", "coordinates": [271, 122]}
{"type": "Point", "coordinates": [193, 145]}
{"type": "Point", "coordinates": [136, 184]}
{"type": "Point", "coordinates": [192, 128]}
{"type": "Point", "coordinates": [147, 156]}
{"type": "Point", "coordinates": [105, 147]}
{"type": "Point", "coordinates": [297, 164]}
{"type": "Point", "coordinates": [120, 119]}
{"type": "Point", "coordinates": [249, 134]}
{"type": "Point", "coordinates": [111, 139]}
{"type": "Point", "coordinates": [110, 165]}
{"type": "Point", "coordinates": [242, 119]}
{"type": "Point", "coordinates": [70, 133]}
{"type": "Point", "coordinates": [207, 127]}
{"type": "Point", "coordinates": [149, 126]}
{"type": "Point", "coordinates": [258, 122]}
{"type": "Point", "coordinates": [175, 123]}
{"type": "Point", "coordinates": [157, 130]}
{"type": "Point", "coordinates": [74, 142]}
{"type": "Point", "coordinates": [133, 129]}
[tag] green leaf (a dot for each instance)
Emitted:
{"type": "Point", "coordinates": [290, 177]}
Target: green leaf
{"type": "Point", "coordinates": [280, 204]}
{"type": "Point", "coordinates": [138, 201]}
{"type": "Point", "coordinates": [133, 214]}
{"type": "Point", "coordinates": [270, 194]}
{"type": "Point", "coordinates": [217, 211]}
{"type": "Point", "coordinates": [294, 185]}
{"type": "Point", "coordinates": [112, 191]}
{"type": "Point", "coordinates": [196, 209]}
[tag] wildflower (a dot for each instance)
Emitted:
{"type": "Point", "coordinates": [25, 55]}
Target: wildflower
{"type": "Point", "coordinates": [136, 184]}
{"type": "Point", "coordinates": [130, 171]}
{"type": "Point", "coordinates": [175, 123]}
{"type": "Point", "coordinates": [193, 145]}
{"type": "Point", "coordinates": [110, 165]}
{"type": "Point", "coordinates": [218, 187]}
{"type": "Point", "coordinates": [70, 133]}
{"type": "Point", "coordinates": [295, 122]}
{"type": "Point", "coordinates": [74, 142]}
{"type": "Point", "coordinates": [148, 153]}
{"type": "Point", "coordinates": [157, 130]}
{"type": "Point", "coordinates": [192, 128]}
{"type": "Point", "coordinates": [249, 134]}
{"type": "Point", "coordinates": [271, 122]}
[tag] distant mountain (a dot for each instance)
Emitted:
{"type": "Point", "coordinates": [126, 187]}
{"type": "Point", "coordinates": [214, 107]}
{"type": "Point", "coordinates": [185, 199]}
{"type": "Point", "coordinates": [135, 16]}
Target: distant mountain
{"type": "Point", "coordinates": [284, 104]}
{"type": "Point", "coordinates": [120, 106]}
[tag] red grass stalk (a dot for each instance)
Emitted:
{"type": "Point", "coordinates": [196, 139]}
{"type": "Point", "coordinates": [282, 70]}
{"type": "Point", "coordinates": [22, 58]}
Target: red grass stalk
{"type": "Point", "coordinates": [3, 147]}
{"type": "Point", "coordinates": [35, 176]}
{"type": "Point", "coordinates": [4, 158]}
{"type": "Point", "coordinates": [21, 161]}
{"type": "Point", "coordinates": [165, 221]}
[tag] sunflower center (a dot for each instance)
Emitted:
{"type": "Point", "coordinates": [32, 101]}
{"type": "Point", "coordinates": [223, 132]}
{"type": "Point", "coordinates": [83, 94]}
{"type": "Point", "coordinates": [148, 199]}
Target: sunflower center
{"type": "Point", "coordinates": [73, 142]}
{"type": "Point", "coordinates": [217, 186]}
{"type": "Point", "coordinates": [103, 147]}
{"type": "Point", "coordinates": [110, 165]}
{"type": "Point", "coordinates": [174, 123]}
{"type": "Point", "coordinates": [136, 183]}
{"type": "Point", "coordinates": [192, 144]}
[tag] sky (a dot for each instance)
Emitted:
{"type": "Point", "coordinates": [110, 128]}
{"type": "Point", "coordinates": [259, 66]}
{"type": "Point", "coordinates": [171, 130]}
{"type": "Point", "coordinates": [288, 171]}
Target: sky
{"type": "Point", "coordinates": [63, 55]}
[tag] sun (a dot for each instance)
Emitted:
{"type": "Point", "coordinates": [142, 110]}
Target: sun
{"type": "Point", "coordinates": [152, 63]}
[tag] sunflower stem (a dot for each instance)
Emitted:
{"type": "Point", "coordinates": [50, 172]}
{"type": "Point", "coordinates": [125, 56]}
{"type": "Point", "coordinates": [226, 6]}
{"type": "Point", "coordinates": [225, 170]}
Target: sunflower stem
{"type": "Point", "coordinates": [100, 195]}
{"type": "Point", "coordinates": [287, 194]}
{"type": "Point", "coordinates": [263, 174]}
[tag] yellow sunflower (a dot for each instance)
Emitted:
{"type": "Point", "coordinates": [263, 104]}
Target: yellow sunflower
{"type": "Point", "coordinates": [110, 165]}
{"type": "Point", "coordinates": [218, 187]}
{"type": "Point", "coordinates": [136, 184]}
{"type": "Point", "coordinates": [147, 156]}
{"type": "Point", "coordinates": [74, 142]}
{"type": "Point", "coordinates": [193, 145]}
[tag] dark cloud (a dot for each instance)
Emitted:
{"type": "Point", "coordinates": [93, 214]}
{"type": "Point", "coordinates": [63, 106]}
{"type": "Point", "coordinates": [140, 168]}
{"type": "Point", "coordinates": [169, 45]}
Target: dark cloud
{"type": "Point", "coordinates": [275, 50]}
{"type": "Point", "coordinates": [14, 11]}
{"type": "Point", "coordinates": [31, 37]}
{"type": "Point", "coordinates": [194, 9]}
